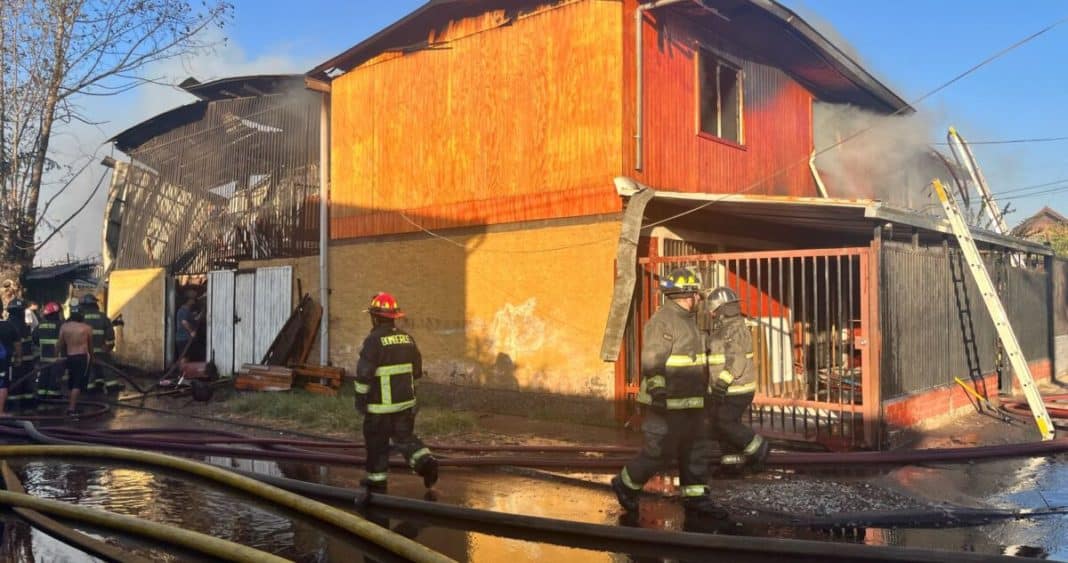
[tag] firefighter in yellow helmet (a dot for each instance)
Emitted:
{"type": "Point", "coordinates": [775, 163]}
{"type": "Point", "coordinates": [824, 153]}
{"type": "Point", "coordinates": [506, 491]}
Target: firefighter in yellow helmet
{"type": "Point", "coordinates": [672, 395]}
{"type": "Point", "coordinates": [389, 364]}
{"type": "Point", "coordinates": [732, 383]}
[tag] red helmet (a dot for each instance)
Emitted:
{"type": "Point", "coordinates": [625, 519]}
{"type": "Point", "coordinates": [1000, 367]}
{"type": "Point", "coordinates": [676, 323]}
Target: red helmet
{"type": "Point", "coordinates": [51, 308]}
{"type": "Point", "coordinates": [385, 305]}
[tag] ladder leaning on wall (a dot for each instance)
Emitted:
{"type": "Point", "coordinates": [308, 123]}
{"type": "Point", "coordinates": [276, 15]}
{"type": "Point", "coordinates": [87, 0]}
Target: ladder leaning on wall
{"type": "Point", "coordinates": [997, 311]}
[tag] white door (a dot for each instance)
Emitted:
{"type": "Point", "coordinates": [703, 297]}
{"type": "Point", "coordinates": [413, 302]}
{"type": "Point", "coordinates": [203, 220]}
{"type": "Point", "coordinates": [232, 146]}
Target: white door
{"type": "Point", "coordinates": [274, 296]}
{"type": "Point", "coordinates": [245, 319]}
{"type": "Point", "coordinates": [221, 320]}
{"type": "Point", "coordinates": [246, 310]}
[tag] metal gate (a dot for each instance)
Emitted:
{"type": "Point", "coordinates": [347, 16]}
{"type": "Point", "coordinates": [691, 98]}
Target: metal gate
{"type": "Point", "coordinates": [810, 316]}
{"type": "Point", "coordinates": [246, 309]}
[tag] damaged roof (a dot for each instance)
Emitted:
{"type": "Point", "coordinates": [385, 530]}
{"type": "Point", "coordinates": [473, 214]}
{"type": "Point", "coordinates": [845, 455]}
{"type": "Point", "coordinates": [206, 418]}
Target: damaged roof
{"type": "Point", "coordinates": [766, 28]}
{"type": "Point", "coordinates": [221, 89]}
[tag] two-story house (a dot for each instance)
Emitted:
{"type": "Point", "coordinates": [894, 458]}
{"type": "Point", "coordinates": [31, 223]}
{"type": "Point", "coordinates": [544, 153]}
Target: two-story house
{"type": "Point", "coordinates": [519, 172]}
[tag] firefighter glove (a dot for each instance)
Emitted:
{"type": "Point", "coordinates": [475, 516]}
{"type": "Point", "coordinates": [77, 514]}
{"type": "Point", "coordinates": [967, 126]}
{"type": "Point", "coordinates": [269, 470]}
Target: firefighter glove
{"type": "Point", "coordinates": [720, 385]}
{"type": "Point", "coordinates": [659, 399]}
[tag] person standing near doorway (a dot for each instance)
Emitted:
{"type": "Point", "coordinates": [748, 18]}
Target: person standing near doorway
{"type": "Point", "coordinates": [185, 326]}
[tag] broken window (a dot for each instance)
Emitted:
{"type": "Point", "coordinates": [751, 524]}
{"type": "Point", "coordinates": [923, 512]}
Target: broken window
{"type": "Point", "coordinates": [720, 95]}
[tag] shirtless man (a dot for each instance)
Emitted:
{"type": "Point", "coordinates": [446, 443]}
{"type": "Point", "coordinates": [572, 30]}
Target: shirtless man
{"type": "Point", "coordinates": [75, 343]}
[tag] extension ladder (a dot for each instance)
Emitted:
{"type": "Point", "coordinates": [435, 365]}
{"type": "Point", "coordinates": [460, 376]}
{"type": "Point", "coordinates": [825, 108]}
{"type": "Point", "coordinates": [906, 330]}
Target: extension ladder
{"type": "Point", "coordinates": [997, 312]}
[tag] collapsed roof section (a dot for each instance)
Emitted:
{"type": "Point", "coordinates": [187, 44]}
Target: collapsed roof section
{"type": "Point", "coordinates": [234, 176]}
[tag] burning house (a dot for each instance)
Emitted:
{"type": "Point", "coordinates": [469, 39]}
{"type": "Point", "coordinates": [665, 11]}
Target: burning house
{"type": "Point", "coordinates": [519, 173]}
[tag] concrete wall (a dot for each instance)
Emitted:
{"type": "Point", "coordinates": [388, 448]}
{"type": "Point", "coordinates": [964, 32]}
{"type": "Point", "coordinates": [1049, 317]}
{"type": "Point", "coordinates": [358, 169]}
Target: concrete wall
{"type": "Point", "coordinates": [519, 309]}
{"type": "Point", "coordinates": [139, 296]}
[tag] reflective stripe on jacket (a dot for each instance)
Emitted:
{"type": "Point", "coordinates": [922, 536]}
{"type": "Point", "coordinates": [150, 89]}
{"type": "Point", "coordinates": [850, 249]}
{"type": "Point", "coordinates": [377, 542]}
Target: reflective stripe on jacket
{"type": "Point", "coordinates": [387, 369]}
{"type": "Point", "coordinates": [47, 340]}
{"type": "Point", "coordinates": [673, 359]}
{"type": "Point", "coordinates": [730, 355]}
{"type": "Point", "coordinates": [103, 332]}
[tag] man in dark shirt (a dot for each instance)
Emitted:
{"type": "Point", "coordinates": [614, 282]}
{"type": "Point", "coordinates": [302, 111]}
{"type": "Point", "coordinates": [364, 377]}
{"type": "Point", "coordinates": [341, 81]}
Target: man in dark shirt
{"type": "Point", "coordinates": [185, 329]}
{"type": "Point", "coordinates": [11, 341]}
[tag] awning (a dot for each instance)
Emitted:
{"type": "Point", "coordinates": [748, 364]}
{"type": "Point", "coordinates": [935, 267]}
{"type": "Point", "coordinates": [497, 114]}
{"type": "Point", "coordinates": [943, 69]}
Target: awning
{"type": "Point", "coordinates": [847, 217]}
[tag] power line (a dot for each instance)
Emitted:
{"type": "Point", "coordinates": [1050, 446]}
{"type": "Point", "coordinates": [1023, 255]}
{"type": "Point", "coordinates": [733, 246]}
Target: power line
{"type": "Point", "coordinates": [1026, 188]}
{"type": "Point", "coordinates": [1011, 141]}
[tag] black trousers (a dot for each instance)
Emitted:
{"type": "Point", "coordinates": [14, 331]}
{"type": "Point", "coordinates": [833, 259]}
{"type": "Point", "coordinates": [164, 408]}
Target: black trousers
{"type": "Point", "coordinates": [48, 380]}
{"type": "Point", "coordinates": [379, 430]}
{"type": "Point", "coordinates": [727, 428]}
{"type": "Point", "coordinates": [673, 437]}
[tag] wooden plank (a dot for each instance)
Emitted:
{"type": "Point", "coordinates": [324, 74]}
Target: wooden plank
{"type": "Point", "coordinates": [312, 319]}
{"type": "Point", "coordinates": [320, 389]}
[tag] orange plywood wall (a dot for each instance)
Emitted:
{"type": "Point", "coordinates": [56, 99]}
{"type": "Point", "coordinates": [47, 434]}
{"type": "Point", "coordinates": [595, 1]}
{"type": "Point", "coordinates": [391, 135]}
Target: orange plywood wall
{"type": "Point", "coordinates": [499, 124]}
{"type": "Point", "coordinates": [777, 118]}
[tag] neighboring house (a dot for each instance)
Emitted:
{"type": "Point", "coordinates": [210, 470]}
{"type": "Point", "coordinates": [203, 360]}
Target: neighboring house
{"type": "Point", "coordinates": [519, 172]}
{"type": "Point", "coordinates": [1039, 226]}
{"type": "Point", "coordinates": [62, 282]}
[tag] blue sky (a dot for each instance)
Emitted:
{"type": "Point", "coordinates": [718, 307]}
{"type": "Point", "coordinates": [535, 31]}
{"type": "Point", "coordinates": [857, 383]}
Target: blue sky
{"type": "Point", "coordinates": [913, 46]}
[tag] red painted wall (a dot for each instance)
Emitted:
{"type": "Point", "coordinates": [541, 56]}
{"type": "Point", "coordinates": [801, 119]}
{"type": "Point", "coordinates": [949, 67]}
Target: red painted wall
{"type": "Point", "coordinates": [777, 118]}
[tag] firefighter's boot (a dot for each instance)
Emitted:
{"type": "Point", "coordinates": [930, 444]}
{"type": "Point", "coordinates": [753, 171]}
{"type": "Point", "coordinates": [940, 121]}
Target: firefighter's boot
{"type": "Point", "coordinates": [627, 497]}
{"type": "Point", "coordinates": [375, 487]}
{"type": "Point", "coordinates": [758, 458]}
{"type": "Point", "coordinates": [703, 507]}
{"type": "Point", "coordinates": [429, 471]}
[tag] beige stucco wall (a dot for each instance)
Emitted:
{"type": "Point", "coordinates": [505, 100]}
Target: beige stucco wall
{"type": "Point", "coordinates": [512, 309]}
{"type": "Point", "coordinates": [138, 295]}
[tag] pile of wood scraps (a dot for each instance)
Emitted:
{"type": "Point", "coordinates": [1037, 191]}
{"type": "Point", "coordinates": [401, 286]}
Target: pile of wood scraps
{"type": "Point", "coordinates": [294, 342]}
{"type": "Point", "coordinates": [253, 377]}
{"type": "Point", "coordinates": [323, 380]}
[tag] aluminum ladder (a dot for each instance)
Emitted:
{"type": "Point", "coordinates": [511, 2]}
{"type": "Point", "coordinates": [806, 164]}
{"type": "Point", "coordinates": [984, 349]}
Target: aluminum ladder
{"type": "Point", "coordinates": [997, 311]}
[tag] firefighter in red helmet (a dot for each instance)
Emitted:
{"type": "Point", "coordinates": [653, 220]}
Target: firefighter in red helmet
{"type": "Point", "coordinates": [386, 372]}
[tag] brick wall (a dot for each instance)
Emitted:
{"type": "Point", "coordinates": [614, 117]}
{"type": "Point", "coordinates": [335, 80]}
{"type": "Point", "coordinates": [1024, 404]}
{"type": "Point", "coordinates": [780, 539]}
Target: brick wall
{"type": "Point", "coordinates": [512, 308]}
{"type": "Point", "coordinates": [937, 405]}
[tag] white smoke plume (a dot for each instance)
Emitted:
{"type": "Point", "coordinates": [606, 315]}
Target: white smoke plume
{"type": "Point", "coordinates": [888, 158]}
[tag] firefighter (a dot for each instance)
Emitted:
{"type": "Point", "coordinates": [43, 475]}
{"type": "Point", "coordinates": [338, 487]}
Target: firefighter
{"type": "Point", "coordinates": [732, 383]}
{"type": "Point", "coordinates": [45, 339]}
{"type": "Point", "coordinates": [22, 393]}
{"type": "Point", "coordinates": [386, 372]}
{"type": "Point", "coordinates": [103, 343]}
{"type": "Point", "coordinates": [672, 392]}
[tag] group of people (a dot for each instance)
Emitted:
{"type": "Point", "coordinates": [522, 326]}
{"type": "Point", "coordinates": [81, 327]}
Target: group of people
{"type": "Point", "coordinates": [695, 387]}
{"type": "Point", "coordinates": [39, 356]}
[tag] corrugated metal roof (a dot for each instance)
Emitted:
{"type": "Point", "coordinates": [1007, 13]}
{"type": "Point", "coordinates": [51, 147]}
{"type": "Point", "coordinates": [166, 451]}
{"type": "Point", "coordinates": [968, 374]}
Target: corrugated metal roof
{"type": "Point", "coordinates": [847, 217]}
{"type": "Point", "coordinates": [763, 26]}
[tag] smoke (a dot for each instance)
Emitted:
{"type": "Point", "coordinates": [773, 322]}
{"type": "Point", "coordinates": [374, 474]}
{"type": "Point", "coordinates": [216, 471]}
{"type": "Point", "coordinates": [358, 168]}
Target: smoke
{"type": "Point", "coordinates": [78, 143]}
{"type": "Point", "coordinates": [881, 157]}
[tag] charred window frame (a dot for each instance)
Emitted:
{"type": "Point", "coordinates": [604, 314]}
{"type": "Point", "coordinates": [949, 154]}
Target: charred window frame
{"type": "Point", "coordinates": [720, 98]}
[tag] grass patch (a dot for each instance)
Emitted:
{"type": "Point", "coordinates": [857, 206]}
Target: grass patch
{"type": "Point", "coordinates": [310, 412]}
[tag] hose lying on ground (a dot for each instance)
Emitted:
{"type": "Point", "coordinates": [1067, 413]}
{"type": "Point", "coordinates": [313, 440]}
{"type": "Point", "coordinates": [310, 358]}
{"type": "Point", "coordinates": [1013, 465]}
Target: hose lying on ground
{"type": "Point", "coordinates": [790, 459]}
{"type": "Point", "coordinates": [351, 523]}
{"type": "Point", "coordinates": [66, 534]}
{"type": "Point", "coordinates": [201, 543]}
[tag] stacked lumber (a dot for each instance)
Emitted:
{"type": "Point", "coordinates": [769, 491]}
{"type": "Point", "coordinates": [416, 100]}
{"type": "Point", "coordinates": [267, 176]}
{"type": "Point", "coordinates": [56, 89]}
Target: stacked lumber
{"type": "Point", "coordinates": [253, 377]}
{"type": "Point", "coordinates": [323, 380]}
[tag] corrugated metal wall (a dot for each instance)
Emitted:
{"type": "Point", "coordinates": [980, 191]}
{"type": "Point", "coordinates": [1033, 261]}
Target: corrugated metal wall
{"type": "Point", "coordinates": [221, 320]}
{"type": "Point", "coordinates": [245, 325]}
{"type": "Point", "coordinates": [274, 301]}
{"type": "Point", "coordinates": [1059, 274]}
{"type": "Point", "coordinates": [777, 118]}
{"type": "Point", "coordinates": [935, 325]}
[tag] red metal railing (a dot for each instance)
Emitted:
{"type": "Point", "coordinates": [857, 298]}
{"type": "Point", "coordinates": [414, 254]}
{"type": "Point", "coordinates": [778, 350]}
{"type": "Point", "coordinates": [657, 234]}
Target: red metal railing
{"type": "Point", "coordinates": [810, 315]}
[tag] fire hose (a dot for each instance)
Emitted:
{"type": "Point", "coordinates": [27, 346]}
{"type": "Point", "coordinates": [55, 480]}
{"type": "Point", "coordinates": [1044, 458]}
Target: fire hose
{"type": "Point", "coordinates": [349, 522]}
{"type": "Point", "coordinates": [610, 538]}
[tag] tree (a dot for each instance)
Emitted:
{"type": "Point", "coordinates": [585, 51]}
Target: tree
{"type": "Point", "coordinates": [54, 53]}
{"type": "Point", "coordinates": [1057, 236]}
